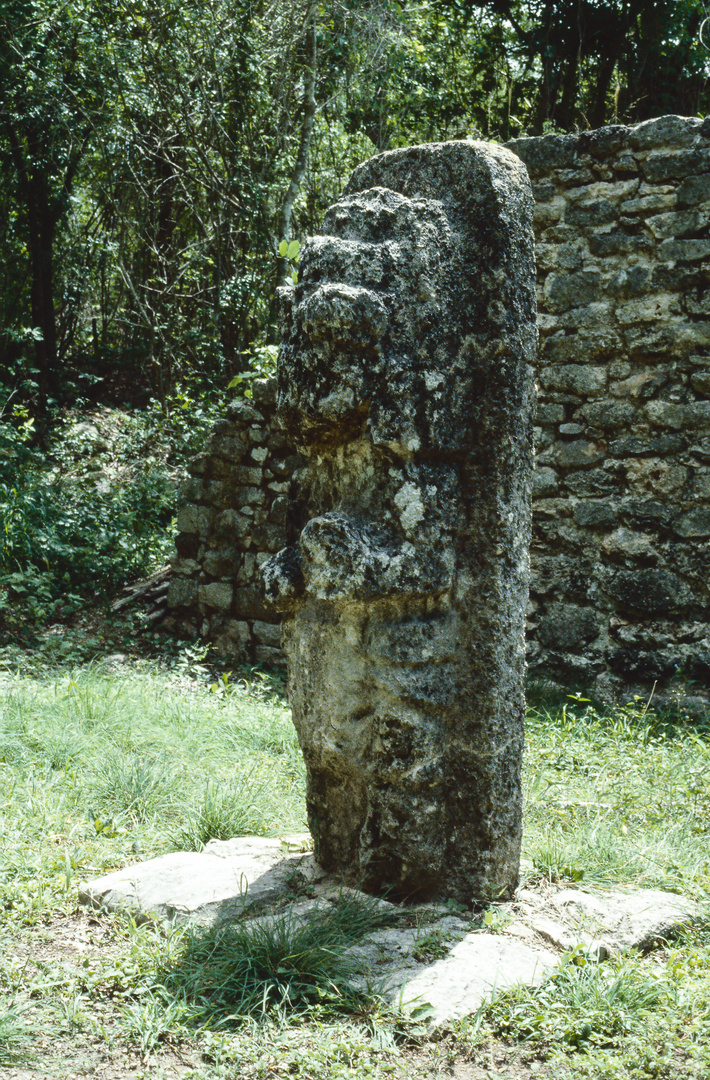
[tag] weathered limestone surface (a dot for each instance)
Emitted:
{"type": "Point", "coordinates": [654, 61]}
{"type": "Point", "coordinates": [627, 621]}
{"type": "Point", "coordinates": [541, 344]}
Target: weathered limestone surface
{"type": "Point", "coordinates": [405, 380]}
{"type": "Point", "coordinates": [620, 588]}
{"type": "Point", "coordinates": [232, 515]}
{"type": "Point", "coordinates": [450, 963]}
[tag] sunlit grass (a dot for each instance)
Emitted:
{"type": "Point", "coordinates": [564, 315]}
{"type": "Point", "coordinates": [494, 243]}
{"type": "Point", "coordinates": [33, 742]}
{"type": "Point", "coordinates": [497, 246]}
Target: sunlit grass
{"type": "Point", "coordinates": [101, 768]}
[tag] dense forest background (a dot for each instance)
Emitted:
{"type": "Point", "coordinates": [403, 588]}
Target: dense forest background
{"type": "Point", "coordinates": [153, 155]}
{"type": "Point", "coordinates": [161, 159]}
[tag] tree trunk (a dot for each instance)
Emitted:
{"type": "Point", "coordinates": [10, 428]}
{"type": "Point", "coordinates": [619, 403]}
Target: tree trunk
{"type": "Point", "coordinates": [299, 169]}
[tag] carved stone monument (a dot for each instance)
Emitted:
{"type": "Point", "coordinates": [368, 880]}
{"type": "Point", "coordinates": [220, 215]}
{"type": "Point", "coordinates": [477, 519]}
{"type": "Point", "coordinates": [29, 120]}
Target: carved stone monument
{"type": "Point", "coordinates": [405, 378]}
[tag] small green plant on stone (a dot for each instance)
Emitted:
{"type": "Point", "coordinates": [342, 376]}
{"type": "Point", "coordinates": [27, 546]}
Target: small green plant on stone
{"type": "Point", "coordinates": [432, 943]}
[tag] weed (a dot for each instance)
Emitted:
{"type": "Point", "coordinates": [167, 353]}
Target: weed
{"type": "Point", "coordinates": [235, 807]}
{"type": "Point", "coordinates": [13, 1032]}
{"type": "Point", "coordinates": [134, 783]}
{"type": "Point", "coordinates": [582, 1003]}
{"type": "Point", "coordinates": [276, 963]}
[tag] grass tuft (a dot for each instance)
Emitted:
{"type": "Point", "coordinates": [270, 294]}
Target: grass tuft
{"type": "Point", "coordinates": [278, 963]}
{"type": "Point", "coordinates": [236, 807]}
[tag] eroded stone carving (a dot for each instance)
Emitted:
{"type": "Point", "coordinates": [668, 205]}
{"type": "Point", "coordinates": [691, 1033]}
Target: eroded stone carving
{"type": "Point", "coordinates": [405, 378]}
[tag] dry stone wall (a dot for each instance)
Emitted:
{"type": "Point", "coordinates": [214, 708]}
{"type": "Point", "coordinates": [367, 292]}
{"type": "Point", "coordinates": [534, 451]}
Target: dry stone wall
{"type": "Point", "coordinates": [620, 589]}
{"type": "Point", "coordinates": [233, 512]}
{"type": "Point", "coordinates": [620, 554]}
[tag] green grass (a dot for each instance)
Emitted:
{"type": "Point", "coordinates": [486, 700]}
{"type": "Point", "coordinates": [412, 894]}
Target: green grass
{"type": "Point", "coordinates": [100, 768]}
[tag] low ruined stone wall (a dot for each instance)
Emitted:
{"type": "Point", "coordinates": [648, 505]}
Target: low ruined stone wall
{"type": "Point", "coordinates": [232, 517]}
{"type": "Point", "coordinates": [620, 589]}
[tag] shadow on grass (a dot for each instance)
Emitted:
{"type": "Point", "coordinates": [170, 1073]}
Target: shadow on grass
{"type": "Point", "coordinates": [286, 962]}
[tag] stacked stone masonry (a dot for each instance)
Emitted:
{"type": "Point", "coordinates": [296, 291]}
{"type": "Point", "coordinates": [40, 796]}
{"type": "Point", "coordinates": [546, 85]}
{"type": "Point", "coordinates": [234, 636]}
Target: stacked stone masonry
{"type": "Point", "coordinates": [232, 516]}
{"type": "Point", "coordinates": [620, 558]}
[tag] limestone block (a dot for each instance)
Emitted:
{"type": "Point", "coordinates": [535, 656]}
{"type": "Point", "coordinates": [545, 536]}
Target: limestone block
{"type": "Point", "coordinates": [664, 164]}
{"type": "Point", "coordinates": [659, 477]}
{"type": "Point", "coordinates": [678, 224]}
{"type": "Point", "coordinates": [579, 452]}
{"type": "Point", "coordinates": [581, 348]}
{"type": "Point", "coordinates": [697, 303]}
{"type": "Point", "coordinates": [190, 490]}
{"type": "Point", "coordinates": [645, 204]}
{"type": "Point", "coordinates": [580, 379]}
{"type": "Point", "coordinates": [606, 414]}
{"type": "Point", "coordinates": [592, 514]}
{"type": "Point", "coordinates": [693, 191]}
{"type": "Point", "coordinates": [545, 153]}
{"type": "Point", "coordinates": [404, 377]}
{"type": "Point", "coordinates": [264, 392]}
{"type": "Point", "coordinates": [641, 444]}
{"type": "Point", "coordinates": [248, 496]}
{"type": "Point", "coordinates": [625, 544]}
{"type": "Point", "coordinates": [668, 414]}
{"type": "Point", "coordinates": [616, 242]}
{"type": "Point", "coordinates": [697, 415]}
{"type": "Point", "coordinates": [550, 414]}
{"type": "Point", "coordinates": [218, 594]}
{"type": "Point", "coordinates": [566, 290]}
{"type": "Point", "coordinates": [204, 887]}
{"type": "Point", "coordinates": [195, 519]}
{"type": "Point", "coordinates": [230, 523]}
{"type": "Point", "coordinates": [648, 592]}
{"type": "Point", "coordinates": [568, 625]}
{"type": "Point", "coordinates": [545, 482]}
{"type": "Point", "coordinates": [652, 309]}
{"type": "Point", "coordinates": [695, 523]}
{"type": "Point", "coordinates": [267, 633]}
{"type": "Point", "coordinates": [701, 484]}
{"type": "Point", "coordinates": [248, 601]}
{"type": "Point", "coordinates": [229, 447]}
{"type": "Point", "coordinates": [231, 638]}
{"type": "Point", "coordinates": [642, 384]}
{"type": "Point", "coordinates": [182, 592]}
{"type": "Point", "coordinates": [684, 250]}
{"type": "Point", "coordinates": [630, 281]}
{"type": "Point", "coordinates": [268, 655]}
{"type": "Point", "coordinates": [220, 562]}
{"type": "Point", "coordinates": [244, 413]}
{"type": "Point", "coordinates": [671, 131]}
{"type": "Point", "coordinates": [246, 474]}
{"type": "Point", "coordinates": [595, 212]}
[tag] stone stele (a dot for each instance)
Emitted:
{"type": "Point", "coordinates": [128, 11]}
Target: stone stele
{"type": "Point", "coordinates": [405, 378]}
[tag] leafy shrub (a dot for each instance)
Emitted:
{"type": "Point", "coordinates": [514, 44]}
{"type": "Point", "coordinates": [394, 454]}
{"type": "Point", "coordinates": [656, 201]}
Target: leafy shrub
{"type": "Point", "coordinates": [65, 536]}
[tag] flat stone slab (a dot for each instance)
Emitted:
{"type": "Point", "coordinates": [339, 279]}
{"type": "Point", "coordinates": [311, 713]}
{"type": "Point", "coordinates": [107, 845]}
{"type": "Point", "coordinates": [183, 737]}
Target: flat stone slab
{"type": "Point", "coordinates": [604, 922]}
{"type": "Point", "coordinates": [441, 970]}
{"type": "Point", "coordinates": [203, 887]}
{"type": "Point", "coordinates": [475, 966]}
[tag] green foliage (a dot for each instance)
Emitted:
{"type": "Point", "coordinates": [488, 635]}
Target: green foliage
{"type": "Point", "coordinates": [13, 1032]}
{"type": "Point", "coordinates": [275, 963]}
{"type": "Point", "coordinates": [583, 1003]}
{"type": "Point", "coordinates": [148, 151]}
{"type": "Point", "coordinates": [96, 508]}
{"type": "Point", "coordinates": [235, 807]}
